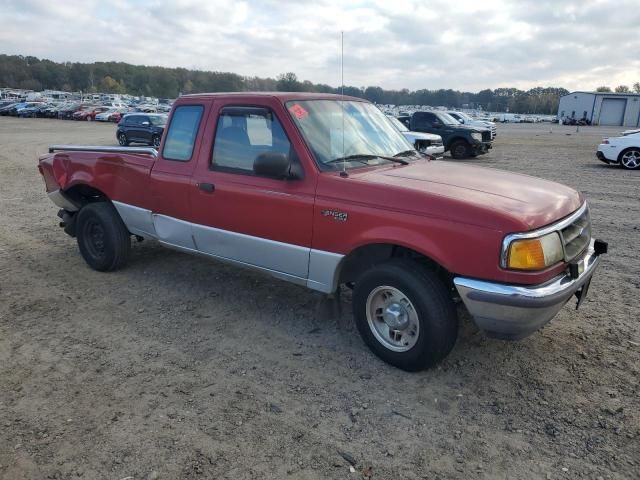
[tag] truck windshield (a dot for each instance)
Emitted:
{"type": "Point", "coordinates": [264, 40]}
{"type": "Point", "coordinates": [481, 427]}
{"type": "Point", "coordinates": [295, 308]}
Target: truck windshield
{"type": "Point", "coordinates": [447, 119]}
{"type": "Point", "coordinates": [359, 135]}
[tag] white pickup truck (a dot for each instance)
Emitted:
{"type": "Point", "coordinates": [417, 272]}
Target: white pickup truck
{"type": "Point", "coordinates": [623, 150]}
{"type": "Point", "coordinates": [428, 143]}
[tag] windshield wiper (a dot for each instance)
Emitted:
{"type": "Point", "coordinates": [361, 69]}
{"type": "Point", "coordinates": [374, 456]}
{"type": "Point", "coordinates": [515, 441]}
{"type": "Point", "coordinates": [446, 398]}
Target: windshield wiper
{"type": "Point", "coordinates": [407, 153]}
{"type": "Point", "coordinates": [415, 153]}
{"type": "Point", "coordinates": [363, 157]}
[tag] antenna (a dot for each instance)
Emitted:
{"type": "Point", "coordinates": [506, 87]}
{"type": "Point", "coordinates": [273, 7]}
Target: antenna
{"type": "Point", "coordinates": [344, 161]}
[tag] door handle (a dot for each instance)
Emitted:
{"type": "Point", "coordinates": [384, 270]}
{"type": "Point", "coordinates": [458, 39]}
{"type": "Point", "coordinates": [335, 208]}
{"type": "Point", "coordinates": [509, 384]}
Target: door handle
{"type": "Point", "coordinates": [206, 187]}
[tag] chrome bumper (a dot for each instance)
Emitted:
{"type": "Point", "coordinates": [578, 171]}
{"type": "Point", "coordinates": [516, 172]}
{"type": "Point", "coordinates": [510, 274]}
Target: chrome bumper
{"type": "Point", "coordinates": [61, 200]}
{"type": "Point", "coordinates": [514, 311]}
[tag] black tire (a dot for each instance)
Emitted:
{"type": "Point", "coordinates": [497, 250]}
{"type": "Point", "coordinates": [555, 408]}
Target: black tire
{"type": "Point", "coordinates": [630, 158]}
{"type": "Point", "coordinates": [103, 239]}
{"type": "Point", "coordinates": [429, 299]}
{"type": "Point", "coordinates": [155, 141]}
{"type": "Point", "coordinates": [123, 140]}
{"type": "Point", "coordinates": [460, 149]}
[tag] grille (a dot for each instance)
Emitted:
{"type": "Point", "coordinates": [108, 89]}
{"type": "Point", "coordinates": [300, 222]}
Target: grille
{"type": "Point", "coordinates": [577, 236]}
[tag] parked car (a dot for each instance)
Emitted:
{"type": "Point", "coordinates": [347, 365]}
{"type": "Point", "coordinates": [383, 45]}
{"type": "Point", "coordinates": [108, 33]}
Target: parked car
{"type": "Point", "coordinates": [461, 141]}
{"type": "Point", "coordinates": [465, 119]}
{"type": "Point", "coordinates": [89, 113]}
{"type": "Point", "coordinates": [141, 128]}
{"type": "Point", "coordinates": [11, 108]}
{"type": "Point", "coordinates": [107, 115]}
{"type": "Point", "coordinates": [67, 111]}
{"type": "Point", "coordinates": [32, 110]}
{"type": "Point", "coordinates": [117, 116]}
{"type": "Point", "coordinates": [321, 190]}
{"type": "Point", "coordinates": [423, 142]}
{"type": "Point", "coordinates": [624, 151]}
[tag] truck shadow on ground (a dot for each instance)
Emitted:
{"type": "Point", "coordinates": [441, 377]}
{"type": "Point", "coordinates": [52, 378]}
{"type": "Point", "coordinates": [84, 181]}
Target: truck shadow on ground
{"type": "Point", "coordinates": [207, 292]}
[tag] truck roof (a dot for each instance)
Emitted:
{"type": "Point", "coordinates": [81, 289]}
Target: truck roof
{"type": "Point", "coordinates": [282, 96]}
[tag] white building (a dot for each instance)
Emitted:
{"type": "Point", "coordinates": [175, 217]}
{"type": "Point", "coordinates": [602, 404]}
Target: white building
{"type": "Point", "coordinates": [602, 108]}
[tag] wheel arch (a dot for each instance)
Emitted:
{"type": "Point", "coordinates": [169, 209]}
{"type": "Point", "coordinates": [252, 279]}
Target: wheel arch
{"type": "Point", "coordinates": [625, 150]}
{"type": "Point", "coordinates": [454, 139]}
{"type": "Point", "coordinates": [365, 256]}
{"type": "Point", "coordinates": [83, 193]}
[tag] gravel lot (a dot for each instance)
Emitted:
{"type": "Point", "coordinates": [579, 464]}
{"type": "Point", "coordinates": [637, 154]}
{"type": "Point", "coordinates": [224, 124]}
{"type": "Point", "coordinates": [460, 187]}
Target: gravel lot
{"type": "Point", "coordinates": [177, 367]}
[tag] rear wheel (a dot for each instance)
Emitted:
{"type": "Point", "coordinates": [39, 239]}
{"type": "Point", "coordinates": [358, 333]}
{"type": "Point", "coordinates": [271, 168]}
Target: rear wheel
{"type": "Point", "coordinates": [405, 315]}
{"type": "Point", "coordinates": [630, 159]}
{"type": "Point", "coordinates": [460, 149]}
{"type": "Point", "coordinates": [103, 239]}
{"type": "Point", "coordinates": [122, 139]}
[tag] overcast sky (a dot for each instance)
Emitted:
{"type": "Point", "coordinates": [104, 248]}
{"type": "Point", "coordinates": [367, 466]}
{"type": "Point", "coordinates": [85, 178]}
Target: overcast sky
{"type": "Point", "coordinates": [462, 44]}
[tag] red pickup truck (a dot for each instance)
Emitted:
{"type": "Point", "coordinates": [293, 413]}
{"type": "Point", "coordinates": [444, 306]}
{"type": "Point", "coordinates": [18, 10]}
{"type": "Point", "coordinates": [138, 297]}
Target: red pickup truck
{"type": "Point", "coordinates": [323, 191]}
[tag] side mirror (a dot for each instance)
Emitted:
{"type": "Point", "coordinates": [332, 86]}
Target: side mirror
{"type": "Point", "coordinates": [273, 165]}
{"type": "Point", "coordinates": [436, 124]}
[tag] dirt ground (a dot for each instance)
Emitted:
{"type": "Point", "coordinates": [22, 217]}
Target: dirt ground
{"type": "Point", "coordinates": [178, 368]}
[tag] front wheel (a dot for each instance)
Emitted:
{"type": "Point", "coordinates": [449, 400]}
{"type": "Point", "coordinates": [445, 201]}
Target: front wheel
{"type": "Point", "coordinates": [122, 139]}
{"type": "Point", "coordinates": [405, 314]}
{"type": "Point", "coordinates": [103, 239]}
{"type": "Point", "coordinates": [460, 149]}
{"type": "Point", "coordinates": [630, 159]}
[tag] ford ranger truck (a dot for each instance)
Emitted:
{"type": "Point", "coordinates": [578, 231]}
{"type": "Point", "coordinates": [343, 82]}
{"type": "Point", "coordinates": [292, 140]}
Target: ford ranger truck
{"type": "Point", "coordinates": [323, 191]}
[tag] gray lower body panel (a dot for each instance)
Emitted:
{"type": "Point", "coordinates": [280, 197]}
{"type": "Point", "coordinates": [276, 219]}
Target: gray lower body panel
{"type": "Point", "coordinates": [316, 269]}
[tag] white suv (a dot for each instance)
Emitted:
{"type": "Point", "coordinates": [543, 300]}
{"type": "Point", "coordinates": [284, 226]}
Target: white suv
{"type": "Point", "coordinates": [623, 150]}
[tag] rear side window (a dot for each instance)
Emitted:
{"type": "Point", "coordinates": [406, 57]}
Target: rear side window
{"type": "Point", "coordinates": [242, 134]}
{"type": "Point", "coordinates": [181, 136]}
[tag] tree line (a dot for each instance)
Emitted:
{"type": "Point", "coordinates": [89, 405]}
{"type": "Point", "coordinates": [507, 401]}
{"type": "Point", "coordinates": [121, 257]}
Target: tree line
{"type": "Point", "coordinates": [26, 72]}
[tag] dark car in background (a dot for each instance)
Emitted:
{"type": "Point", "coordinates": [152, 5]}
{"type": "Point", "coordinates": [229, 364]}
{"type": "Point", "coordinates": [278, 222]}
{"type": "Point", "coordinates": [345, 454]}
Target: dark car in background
{"type": "Point", "coordinates": [66, 112]}
{"type": "Point", "coordinates": [10, 109]}
{"type": "Point", "coordinates": [460, 140]}
{"type": "Point", "coordinates": [141, 128]}
{"type": "Point", "coordinates": [32, 110]}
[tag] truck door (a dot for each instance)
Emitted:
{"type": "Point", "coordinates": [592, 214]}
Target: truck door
{"type": "Point", "coordinates": [244, 216]}
{"type": "Point", "coordinates": [171, 176]}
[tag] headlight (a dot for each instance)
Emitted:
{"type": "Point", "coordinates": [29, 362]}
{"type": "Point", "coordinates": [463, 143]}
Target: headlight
{"type": "Point", "coordinates": [476, 136]}
{"type": "Point", "coordinates": [534, 253]}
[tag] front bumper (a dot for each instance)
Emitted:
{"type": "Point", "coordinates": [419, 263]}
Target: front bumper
{"type": "Point", "coordinates": [515, 311]}
{"type": "Point", "coordinates": [480, 148]}
{"type": "Point", "coordinates": [436, 151]}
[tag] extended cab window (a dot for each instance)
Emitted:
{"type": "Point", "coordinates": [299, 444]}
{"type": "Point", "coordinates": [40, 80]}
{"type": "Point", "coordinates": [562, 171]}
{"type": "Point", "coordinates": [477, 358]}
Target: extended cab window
{"type": "Point", "coordinates": [181, 136]}
{"type": "Point", "coordinates": [242, 134]}
{"type": "Point", "coordinates": [425, 119]}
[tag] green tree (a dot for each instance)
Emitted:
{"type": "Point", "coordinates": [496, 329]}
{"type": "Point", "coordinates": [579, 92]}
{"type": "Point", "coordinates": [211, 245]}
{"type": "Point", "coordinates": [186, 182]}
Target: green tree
{"type": "Point", "coordinates": [603, 89]}
{"type": "Point", "coordinates": [288, 82]}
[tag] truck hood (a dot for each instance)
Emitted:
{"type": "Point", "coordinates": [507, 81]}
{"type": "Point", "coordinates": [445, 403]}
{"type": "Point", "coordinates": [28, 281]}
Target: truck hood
{"type": "Point", "coordinates": [423, 136]}
{"type": "Point", "coordinates": [494, 198]}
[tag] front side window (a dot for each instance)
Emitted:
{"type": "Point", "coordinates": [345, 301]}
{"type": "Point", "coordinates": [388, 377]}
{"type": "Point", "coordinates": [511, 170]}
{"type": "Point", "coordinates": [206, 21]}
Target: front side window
{"type": "Point", "coordinates": [181, 136]}
{"type": "Point", "coordinates": [346, 134]}
{"type": "Point", "coordinates": [242, 134]}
